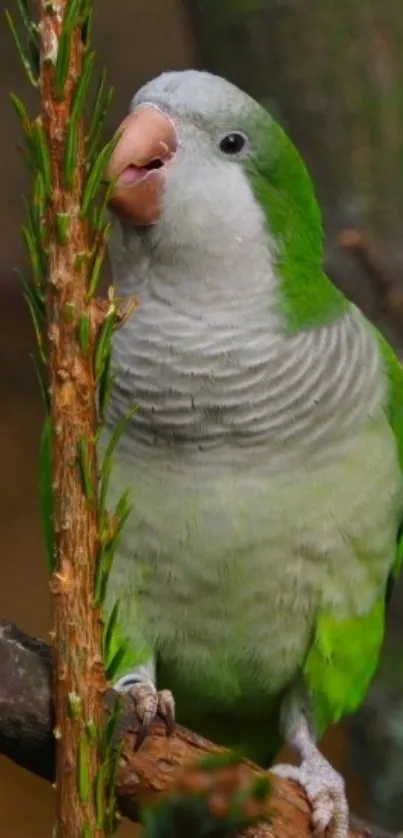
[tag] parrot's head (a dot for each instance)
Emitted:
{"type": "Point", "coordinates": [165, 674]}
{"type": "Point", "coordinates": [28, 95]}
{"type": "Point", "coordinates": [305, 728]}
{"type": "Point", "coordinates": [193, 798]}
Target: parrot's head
{"type": "Point", "coordinates": [182, 157]}
{"type": "Point", "coordinates": [189, 157]}
{"type": "Point", "coordinates": [199, 164]}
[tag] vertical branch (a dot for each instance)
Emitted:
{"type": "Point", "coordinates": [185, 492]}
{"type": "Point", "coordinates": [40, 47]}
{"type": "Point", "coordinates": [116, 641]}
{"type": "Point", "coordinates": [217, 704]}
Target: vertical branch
{"type": "Point", "coordinates": [66, 235]}
{"type": "Point", "coordinates": [79, 676]}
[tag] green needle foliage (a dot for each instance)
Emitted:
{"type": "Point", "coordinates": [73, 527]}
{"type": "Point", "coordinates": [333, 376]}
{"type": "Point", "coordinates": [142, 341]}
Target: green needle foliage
{"type": "Point", "coordinates": [57, 57]}
{"type": "Point", "coordinates": [214, 802]}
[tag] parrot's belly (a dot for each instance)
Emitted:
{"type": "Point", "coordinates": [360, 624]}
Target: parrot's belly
{"type": "Point", "coordinates": [221, 572]}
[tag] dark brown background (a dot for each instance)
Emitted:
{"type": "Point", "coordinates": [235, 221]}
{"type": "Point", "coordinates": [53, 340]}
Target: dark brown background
{"type": "Point", "coordinates": [335, 86]}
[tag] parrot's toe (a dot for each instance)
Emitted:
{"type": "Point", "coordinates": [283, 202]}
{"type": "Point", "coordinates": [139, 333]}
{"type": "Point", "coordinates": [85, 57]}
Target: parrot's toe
{"type": "Point", "coordinates": [166, 709]}
{"type": "Point", "coordinates": [325, 790]}
{"type": "Point", "coordinates": [148, 703]}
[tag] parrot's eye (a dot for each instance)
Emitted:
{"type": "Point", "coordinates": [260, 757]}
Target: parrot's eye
{"type": "Point", "coordinates": [232, 143]}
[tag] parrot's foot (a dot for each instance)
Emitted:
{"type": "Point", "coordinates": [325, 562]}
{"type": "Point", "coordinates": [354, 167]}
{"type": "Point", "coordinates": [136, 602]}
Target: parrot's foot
{"type": "Point", "coordinates": [325, 790]}
{"type": "Point", "coordinates": [148, 703]}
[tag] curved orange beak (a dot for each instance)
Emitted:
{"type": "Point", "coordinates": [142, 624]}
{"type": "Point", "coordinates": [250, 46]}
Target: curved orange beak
{"type": "Point", "coordinates": [147, 143]}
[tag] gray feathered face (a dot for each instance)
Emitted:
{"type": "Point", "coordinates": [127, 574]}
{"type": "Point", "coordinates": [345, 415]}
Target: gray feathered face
{"type": "Point", "coordinates": [181, 159]}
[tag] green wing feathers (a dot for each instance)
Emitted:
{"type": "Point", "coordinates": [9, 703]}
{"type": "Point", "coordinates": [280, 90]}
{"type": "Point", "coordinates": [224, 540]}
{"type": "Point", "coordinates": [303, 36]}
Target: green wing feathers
{"type": "Point", "coordinates": [344, 654]}
{"type": "Point", "coordinates": [341, 663]}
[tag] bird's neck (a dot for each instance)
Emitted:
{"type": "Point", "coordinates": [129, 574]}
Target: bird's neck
{"type": "Point", "coordinates": [215, 375]}
{"type": "Point", "coordinates": [221, 278]}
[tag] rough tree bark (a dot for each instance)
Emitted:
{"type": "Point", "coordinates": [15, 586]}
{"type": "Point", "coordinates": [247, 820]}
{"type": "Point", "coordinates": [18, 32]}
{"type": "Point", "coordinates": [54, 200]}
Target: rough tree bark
{"type": "Point", "coordinates": [163, 765]}
{"type": "Point", "coordinates": [72, 331]}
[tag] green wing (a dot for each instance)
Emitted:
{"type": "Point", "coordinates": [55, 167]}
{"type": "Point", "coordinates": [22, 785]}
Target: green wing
{"type": "Point", "coordinates": [341, 663]}
{"type": "Point", "coordinates": [344, 654]}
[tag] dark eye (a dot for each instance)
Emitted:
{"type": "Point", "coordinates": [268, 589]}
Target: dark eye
{"type": "Point", "coordinates": [232, 143]}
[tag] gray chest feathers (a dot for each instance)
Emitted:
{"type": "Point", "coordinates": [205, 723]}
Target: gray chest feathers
{"type": "Point", "coordinates": [232, 386]}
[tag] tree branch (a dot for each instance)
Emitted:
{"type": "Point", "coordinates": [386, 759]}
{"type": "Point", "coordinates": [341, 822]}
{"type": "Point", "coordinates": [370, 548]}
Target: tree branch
{"type": "Point", "coordinates": [376, 270]}
{"type": "Point", "coordinates": [26, 722]}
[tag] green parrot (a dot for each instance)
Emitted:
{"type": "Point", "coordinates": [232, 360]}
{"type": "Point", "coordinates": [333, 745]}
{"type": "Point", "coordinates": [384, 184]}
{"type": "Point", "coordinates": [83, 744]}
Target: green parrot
{"type": "Point", "coordinates": [265, 457]}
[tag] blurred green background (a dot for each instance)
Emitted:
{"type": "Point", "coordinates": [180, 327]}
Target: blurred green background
{"type": "Point", "coordinates": [332, 72]}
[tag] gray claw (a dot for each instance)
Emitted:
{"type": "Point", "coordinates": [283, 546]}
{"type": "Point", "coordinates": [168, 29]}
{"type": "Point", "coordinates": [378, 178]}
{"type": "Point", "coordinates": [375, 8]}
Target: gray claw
{"type": "Point", "coordinates": [166, 709]}
{"type": "Point", "coordinates": [142, 736]}
{"type": "Point", "coordinates": [147, 704]}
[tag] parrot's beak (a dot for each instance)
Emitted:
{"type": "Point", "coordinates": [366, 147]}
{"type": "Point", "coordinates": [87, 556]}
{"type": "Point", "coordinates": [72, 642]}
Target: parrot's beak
{"type": "Point", "coordinates": [148, 142]}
